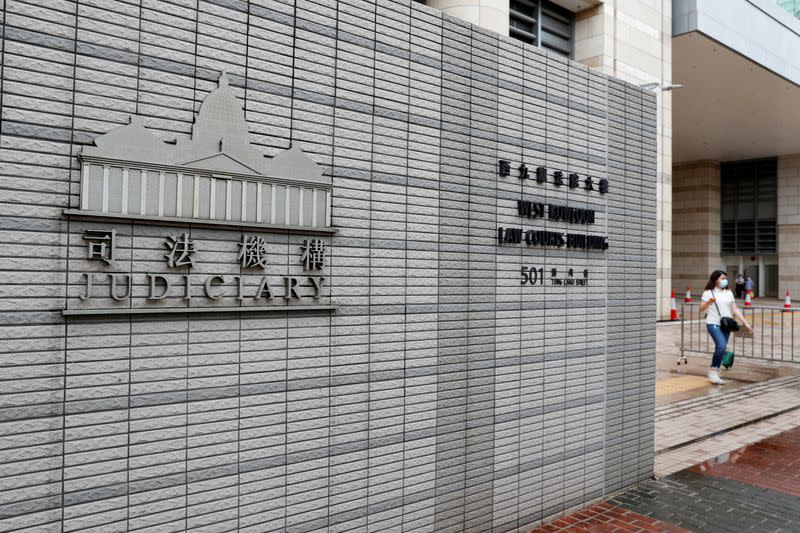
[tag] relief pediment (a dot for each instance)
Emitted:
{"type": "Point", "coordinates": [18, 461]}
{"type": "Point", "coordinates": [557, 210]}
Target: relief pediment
{"type": "Point", "coordinates": [221, 162]}
{"type": "Point", "coordinates": [215, 174]}
{"type": "Point", "coordinates": [219, 130]}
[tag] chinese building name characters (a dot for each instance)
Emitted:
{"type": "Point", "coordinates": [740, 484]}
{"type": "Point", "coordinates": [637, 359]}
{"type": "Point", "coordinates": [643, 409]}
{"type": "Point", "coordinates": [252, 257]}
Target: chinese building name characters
{"type": "Point", "coordinates": [183, 252]}
{"type": "Point", "coordinates": [573, 180]}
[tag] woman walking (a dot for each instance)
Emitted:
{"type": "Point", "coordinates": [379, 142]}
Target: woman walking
{"type": "Point", "coordinates": [718, 302]}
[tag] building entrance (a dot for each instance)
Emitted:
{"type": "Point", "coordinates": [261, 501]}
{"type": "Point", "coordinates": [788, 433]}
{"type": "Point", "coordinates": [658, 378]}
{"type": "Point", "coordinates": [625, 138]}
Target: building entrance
{"type": "Point", "coordinates": [771, 281]}
{"type": "Point", "coordinates": [763, 270]}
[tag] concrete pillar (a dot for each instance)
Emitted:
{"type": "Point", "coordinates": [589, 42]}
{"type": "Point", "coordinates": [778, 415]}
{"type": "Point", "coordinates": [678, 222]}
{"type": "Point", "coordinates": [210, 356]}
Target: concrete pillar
{"type": "Point", "coordinates": [490, 14]}
{"type": "Point", "coordinates": [696, 240]}
{"type": "Point", "coordinates": [632, 40]}
{"type": "Point", "coordinates": [593, 38]}
{"type": "Point", "coordinates": [789, 226]}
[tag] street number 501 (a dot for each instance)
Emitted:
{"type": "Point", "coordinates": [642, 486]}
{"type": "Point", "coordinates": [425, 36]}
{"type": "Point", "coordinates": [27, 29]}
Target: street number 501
{"type": "Point", "coordinates": [532, 276]}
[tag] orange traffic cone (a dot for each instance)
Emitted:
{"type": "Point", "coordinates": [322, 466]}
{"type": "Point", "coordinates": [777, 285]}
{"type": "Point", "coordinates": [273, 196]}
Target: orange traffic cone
{"type": "Point", "coordinates": [787, 303]}
{"type": "Point", "coordinates": [673, 314]}
{"type": "Point", "coordinates": [747, 301]}
{"type": "Point", "coordinates": [688, 298]}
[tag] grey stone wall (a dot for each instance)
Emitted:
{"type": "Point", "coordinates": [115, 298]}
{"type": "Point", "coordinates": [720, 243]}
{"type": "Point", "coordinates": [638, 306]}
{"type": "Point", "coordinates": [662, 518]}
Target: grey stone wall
{"type": "Point", "coordinates": [441, 395]}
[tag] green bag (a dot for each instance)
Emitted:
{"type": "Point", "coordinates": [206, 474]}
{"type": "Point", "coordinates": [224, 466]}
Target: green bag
{"type": "Point", "coordinates": [727, 360]}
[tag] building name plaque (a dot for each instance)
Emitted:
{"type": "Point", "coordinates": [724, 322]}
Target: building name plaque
{"type": "Point", "coordinates": [533, 275]}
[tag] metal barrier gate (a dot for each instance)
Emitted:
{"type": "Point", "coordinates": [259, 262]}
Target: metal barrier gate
{"type": "Point", "coordinates": [773, 338]}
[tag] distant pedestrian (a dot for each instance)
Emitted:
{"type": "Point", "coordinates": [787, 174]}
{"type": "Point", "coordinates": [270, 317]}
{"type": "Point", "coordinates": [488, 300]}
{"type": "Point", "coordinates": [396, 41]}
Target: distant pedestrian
{"type": "Point", "coordinates": [740, 286]}
{"type": "Point", "coordinates": [748, 287]}
{"type": "Point", "coordinates": [718, 302]}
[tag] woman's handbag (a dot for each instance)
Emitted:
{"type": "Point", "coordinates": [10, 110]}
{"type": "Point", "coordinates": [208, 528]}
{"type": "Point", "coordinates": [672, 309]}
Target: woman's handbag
{"type": "Point", "coordinates": [726, 323]}
{"type": "Point", "coordinates": [727, 360]}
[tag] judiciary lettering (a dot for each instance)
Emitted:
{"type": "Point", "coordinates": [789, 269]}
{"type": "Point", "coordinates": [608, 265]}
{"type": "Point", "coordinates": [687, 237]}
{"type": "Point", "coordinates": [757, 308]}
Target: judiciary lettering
{"type": "Point", "coordinates": [160, 287]}
{"type": "Point", "coordinates": [182, 252]}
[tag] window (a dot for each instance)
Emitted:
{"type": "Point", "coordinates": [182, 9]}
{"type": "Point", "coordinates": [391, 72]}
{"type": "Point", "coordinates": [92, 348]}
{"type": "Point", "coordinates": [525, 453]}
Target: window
{"type": "Point", "coordinates": [749, 206]}
{"type": "Point", "coordinates": [543, 24]}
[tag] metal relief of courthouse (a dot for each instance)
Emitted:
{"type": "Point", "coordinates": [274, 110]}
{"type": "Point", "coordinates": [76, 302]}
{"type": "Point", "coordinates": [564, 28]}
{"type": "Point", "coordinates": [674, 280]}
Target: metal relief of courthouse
{"type": "Point", "coordinates": [191, 194]}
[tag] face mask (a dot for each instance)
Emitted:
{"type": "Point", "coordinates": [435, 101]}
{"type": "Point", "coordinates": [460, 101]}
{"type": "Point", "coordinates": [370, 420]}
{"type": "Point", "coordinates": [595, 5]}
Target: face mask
{"type": "Point", "coordinates": [723, 283]}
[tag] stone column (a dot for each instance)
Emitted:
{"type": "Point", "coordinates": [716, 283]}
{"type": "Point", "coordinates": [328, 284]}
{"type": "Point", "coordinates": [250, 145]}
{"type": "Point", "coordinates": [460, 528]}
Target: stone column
{"type": "Point", "coordinates": [696, 237]}
{"type": "Point", "coordinates": [789, 225]}
{"type": "Point", "coordinates": [632, 40]}
{"type": "Point", "coordinates": [490, 14]}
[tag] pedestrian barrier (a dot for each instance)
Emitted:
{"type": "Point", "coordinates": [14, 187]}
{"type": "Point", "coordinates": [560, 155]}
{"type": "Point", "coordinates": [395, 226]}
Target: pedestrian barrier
{"type": "Point", "coordinates": [776, 335]}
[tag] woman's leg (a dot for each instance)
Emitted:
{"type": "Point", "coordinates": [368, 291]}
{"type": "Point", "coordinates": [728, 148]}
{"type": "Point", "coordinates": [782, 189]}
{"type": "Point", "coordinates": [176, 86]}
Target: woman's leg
{"type": "Point", "coordinates": [720, 343]}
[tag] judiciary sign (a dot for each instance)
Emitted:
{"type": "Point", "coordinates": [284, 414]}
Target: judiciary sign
{"type": "Point", "coordinates": [227, 228]}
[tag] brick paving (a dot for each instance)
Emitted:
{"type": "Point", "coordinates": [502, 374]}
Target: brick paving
{"type": "Point", "coordinates": [773, 463]}
{"type": "Point", "coordinates": [726, 443]}
{"type": "Point", "coordinates": [607, 517]}
{"type": "Point", "coordinates": [753, 489]}
{"type": "Point", "coordinates": [703, 503]}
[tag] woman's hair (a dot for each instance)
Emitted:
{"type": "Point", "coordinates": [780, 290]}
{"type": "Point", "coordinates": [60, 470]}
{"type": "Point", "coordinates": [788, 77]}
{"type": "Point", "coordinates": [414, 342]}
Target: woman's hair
{"type": "Point", "coordinates": [712, 281]}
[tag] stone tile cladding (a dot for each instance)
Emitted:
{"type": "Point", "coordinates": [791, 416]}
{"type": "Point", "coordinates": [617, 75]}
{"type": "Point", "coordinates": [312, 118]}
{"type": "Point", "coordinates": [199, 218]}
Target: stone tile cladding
{"type": "Point", "coordinates": [442, 395]}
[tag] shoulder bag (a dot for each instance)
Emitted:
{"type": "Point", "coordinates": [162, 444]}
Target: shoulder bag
{"type": "Point", "coordinates": [726, 323]}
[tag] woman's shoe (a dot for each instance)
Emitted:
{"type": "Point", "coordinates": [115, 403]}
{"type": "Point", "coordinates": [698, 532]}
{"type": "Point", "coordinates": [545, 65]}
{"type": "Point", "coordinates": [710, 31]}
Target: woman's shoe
{"type": "Point", "coordinates": [713, 377]}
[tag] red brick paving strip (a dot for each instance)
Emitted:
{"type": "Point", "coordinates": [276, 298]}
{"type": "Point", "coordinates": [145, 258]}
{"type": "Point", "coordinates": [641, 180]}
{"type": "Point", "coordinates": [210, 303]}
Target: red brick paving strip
{"type": "Point", "coordinates": [773, 464]}
{"type": "Point", "coordinates": [607, 518]}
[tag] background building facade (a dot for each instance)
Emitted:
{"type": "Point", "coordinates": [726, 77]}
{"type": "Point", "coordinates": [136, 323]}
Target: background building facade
{"type": "Point", "coordinates": [429, 388]}
{"type": "Point", "coordinates": [737, 125]}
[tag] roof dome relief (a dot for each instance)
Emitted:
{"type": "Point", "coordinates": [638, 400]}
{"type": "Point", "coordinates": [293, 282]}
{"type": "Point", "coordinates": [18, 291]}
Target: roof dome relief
{"type": "Point", "coordinates": [221, 116]}
{"type": "Point", "coordinates": [220, 142]}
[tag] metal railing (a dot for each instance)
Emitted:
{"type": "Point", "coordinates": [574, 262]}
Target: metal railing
{"type": "Point", "coordinates": [776, 335]}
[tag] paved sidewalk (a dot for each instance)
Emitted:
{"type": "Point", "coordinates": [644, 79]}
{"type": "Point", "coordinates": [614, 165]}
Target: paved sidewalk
{"type": "Point", "coordinates": [724, 443]}
{"type": "Point", "coordinates": [727, 458]}
{"type": "Point", "coordinates": [756, 488]}
{"type": "Point", "coordinates": [673, 387]}
{"type": "Point", "coordinates": [696, 421]}
{"type": "Point", "coordinates": [690, 431]}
